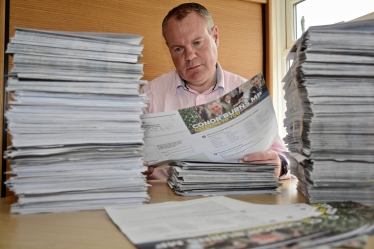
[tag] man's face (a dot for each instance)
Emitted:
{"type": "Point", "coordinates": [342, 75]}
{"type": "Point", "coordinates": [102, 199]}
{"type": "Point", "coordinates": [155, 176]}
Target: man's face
{"type": "Point", "coordinates": [193, 50]}
{"type": "Point", "coordinates": [256, 82]}
{"type": "Point", "coordinates": [215, 108]}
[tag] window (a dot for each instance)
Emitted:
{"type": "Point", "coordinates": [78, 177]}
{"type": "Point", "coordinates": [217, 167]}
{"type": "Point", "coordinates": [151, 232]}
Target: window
{"type": "Point", "coordinates": [292, 20]}
{"type": "Point", "coordinates": [293, 17]}
{"type": "Point", "coordinates": [299, 19]}
{"type": "Point", "coordinates": [323, 12]}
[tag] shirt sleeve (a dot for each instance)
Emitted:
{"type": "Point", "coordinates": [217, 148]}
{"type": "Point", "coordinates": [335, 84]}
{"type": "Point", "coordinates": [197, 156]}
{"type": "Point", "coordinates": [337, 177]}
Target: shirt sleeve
{"type": "Point", "coordinates": [147, 91]}
{"type": "Point", "coordinates": [279, 147]}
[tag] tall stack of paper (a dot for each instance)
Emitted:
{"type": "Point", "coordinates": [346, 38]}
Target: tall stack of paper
{"type": "Point", "coordinates": [74, 120]}
{"type": "Point", "coordinates": [329, 119]}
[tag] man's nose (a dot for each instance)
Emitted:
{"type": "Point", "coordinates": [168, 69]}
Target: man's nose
{"type": "Point", "coordinates": [190, 53]}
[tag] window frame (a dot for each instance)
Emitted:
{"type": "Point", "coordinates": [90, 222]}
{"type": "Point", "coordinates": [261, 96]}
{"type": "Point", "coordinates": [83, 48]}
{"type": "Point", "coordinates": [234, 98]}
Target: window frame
{"type": "Point", "coordinates": [291, 21]}
{"type": "Point", "coordinates": [283, 33]}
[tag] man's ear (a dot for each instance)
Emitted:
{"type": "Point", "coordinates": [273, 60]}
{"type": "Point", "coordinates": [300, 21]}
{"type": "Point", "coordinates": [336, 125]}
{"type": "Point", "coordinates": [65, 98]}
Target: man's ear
{"type": "Point", "coordinates": [215, 35]}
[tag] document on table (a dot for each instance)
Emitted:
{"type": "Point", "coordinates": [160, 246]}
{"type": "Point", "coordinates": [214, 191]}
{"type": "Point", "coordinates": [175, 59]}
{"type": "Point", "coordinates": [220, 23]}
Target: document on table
{"type": "Point", "coordinates": [149, 225]}
{"type": "Point", "coordinates": [247, 125]}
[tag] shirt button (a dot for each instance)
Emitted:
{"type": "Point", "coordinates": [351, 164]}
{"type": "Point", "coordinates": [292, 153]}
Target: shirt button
{"type": "Point", "coordinates": [200, 99]}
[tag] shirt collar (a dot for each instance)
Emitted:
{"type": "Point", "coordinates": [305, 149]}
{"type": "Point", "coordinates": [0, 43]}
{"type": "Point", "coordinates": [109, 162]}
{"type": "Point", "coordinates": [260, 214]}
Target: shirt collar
{"type": "Point", "coordinates": [219, 84]}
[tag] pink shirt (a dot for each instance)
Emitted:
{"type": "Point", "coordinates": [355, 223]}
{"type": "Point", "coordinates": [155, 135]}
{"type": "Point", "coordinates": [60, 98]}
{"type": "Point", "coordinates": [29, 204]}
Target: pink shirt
{"type": "Point", "coordinates": [169, 92]}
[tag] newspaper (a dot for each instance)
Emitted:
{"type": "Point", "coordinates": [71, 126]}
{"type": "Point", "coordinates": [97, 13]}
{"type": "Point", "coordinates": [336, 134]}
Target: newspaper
{"type": "Point", "coordinates": [193, 218]}
{"type": "Point", "coordinates": [190, 224]}
{"type": "Point", "coordinates": [244, 126]}
{"type": "Point", "coordinates": [221, 222]}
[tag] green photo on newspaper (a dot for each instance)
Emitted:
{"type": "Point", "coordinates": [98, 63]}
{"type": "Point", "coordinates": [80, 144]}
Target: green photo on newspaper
{"type": "Point", "coordinates": [231, 105]}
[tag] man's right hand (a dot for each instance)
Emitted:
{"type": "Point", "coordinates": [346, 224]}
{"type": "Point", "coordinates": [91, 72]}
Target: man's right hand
{"type": "Point", "coordinates": [269, 156]}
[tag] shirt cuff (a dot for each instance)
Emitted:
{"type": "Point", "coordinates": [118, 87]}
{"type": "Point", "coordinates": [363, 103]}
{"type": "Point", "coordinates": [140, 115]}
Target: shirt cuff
{"type": "Point", "coordinates": [284, 166]}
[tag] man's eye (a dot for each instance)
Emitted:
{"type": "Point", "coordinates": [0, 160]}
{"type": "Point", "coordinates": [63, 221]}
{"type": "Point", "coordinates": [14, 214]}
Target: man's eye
{"type": "Point", "coordinates": [197, 42]}
{"type": "Point", "coordinates": [177, 49]}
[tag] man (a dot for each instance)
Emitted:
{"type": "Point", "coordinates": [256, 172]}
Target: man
{"type": "Point", "coordinates": [257, 86]}
{"type": "Point", "coordinates": [227, 99]}
{"type": "Point", "coordinates": [235, 96]}
{"type": "Point", "coordinates": [192, 39]}
{"type": "Point", "coordinates": [217, 109]}
{"type": "Point", "coordinates": [245, 93]}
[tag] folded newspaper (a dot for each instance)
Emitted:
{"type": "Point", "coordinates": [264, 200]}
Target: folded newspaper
{"type": "Point", "coordinates": [221, 222]}
{"type": "Point", "coordinates": [245, 123]}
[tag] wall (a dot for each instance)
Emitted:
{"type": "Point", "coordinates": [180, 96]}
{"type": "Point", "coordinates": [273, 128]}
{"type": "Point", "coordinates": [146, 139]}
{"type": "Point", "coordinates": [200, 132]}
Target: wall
{"type": "Point", "coordinates": [2, 32]}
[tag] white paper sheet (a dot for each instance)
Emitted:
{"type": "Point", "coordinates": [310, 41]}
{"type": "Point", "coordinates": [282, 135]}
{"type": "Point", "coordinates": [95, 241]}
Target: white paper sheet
{"type": "Point", "coordinates": [175, 220]}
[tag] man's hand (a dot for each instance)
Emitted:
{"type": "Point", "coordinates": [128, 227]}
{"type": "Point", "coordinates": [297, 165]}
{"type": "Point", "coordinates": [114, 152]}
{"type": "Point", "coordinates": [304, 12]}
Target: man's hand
{"type": "Point", "coordinates": [149, 171]}
{"type": "Point", "coordinates": [269, 156]}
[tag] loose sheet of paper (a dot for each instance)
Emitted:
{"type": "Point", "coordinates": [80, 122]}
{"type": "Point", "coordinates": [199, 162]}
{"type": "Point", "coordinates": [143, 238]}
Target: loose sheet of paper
{"type": "Point", "coordinates": [175, 220]}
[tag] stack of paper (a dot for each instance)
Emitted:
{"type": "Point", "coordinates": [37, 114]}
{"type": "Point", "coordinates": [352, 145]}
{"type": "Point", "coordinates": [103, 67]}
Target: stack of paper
{"type": "Point", "coordinates": [74, 121]}
{"type": "Point", "coordinates": [329, 119]}
{"type": "Point", "coordinates": [191, 178]}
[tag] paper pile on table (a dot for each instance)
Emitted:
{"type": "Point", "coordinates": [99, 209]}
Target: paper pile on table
{"type": "Point", "coordinates": [191, 178]}
{"type": "Point", "coordinates": [330, 105]}
{"type": "Point", "coordinates": [221, 222]}
{"type": "Point", "coordinates": [74, 120]}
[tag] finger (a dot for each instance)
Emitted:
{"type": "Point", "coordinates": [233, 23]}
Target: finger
{"type": "Point", "coordinates": [149, 171]}
{"type": "Point", "coordinates": [261, 156]}
{"type": "Point", "coordinates": [277, 169]}
{"type": "Point", "coordinates": [264, 162]}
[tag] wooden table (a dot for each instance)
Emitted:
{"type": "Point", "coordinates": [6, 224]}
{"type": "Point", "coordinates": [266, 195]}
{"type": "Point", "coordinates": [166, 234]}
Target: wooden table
{"type": "Point", "coordinates": [94, 229]}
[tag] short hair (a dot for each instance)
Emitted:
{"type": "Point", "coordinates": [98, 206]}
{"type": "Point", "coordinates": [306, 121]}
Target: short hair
{"type": "Point", "coordinates": [227, 94]}
{"type": "Point", "coordinates": [256, 76]}
{"type": "Point", "coordinates": [181, 11]}
{"type": "Point", "coordinates": [212, 102]}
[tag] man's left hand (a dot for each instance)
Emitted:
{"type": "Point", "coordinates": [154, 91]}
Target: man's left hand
{"type": "Point", "coordinates": [269, 156]}
{"type": "Point", "coordinates": [149, 170]}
